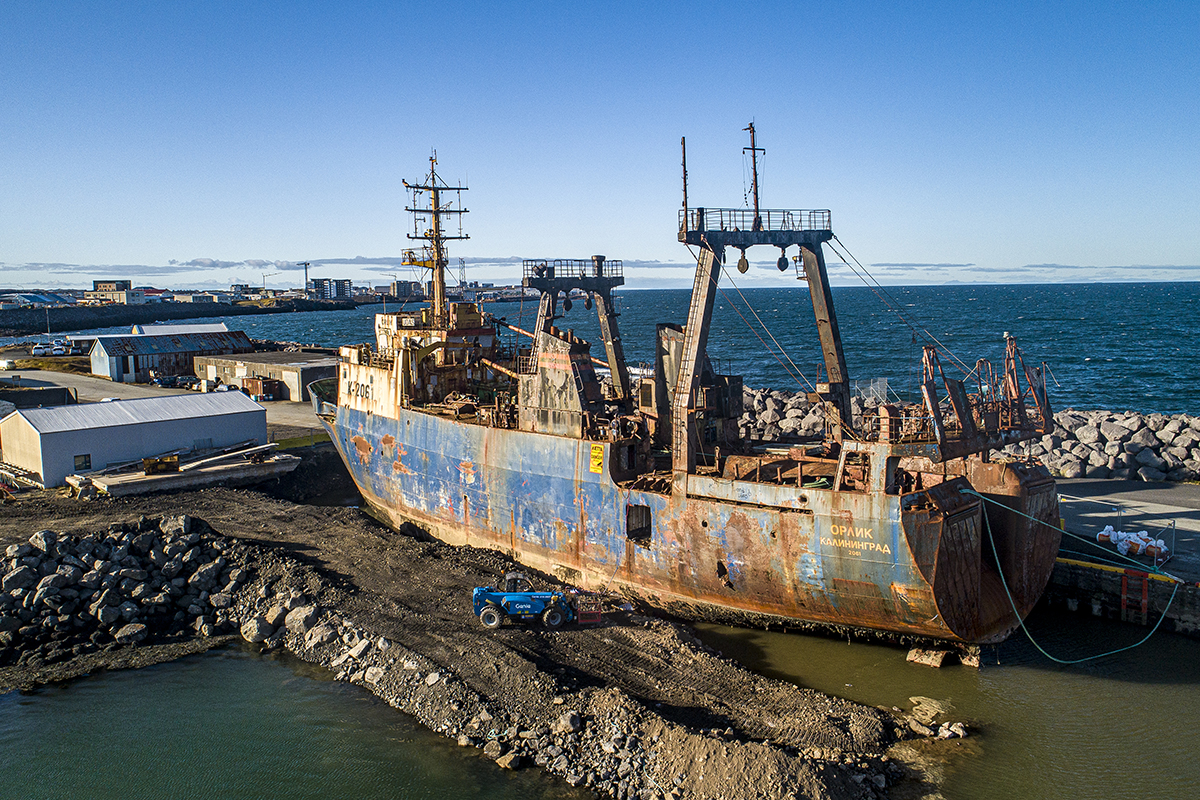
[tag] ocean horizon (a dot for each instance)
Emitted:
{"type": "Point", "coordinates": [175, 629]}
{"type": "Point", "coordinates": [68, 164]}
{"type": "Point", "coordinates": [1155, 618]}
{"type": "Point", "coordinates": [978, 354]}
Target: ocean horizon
{"type": "Point", "coordinates": [1117, 346]}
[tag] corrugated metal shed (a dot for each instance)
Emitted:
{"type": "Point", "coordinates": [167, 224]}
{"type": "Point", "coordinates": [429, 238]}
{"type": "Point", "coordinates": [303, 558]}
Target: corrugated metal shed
{"type": "Point", "coordinates": [51, 443]}
{"type": "Point", "coordinates": [134, 345]}
{"type": "Point", "coordinates": [133, 412]}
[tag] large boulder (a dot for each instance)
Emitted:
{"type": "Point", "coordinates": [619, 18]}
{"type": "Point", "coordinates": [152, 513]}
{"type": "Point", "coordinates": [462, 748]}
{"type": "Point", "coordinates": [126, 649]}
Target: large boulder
{"type": "Point", "coordinates": [569, 722]}
{"type": "Point", "coordinates": [52, 581]}
{"type": "Point", "coordinates": [1144, 437]}
{"type": "Point", "coordinates": [1088, 434]}
{"type": "Point", "coordinates": [257, 629]}
{"type": "Point", "coordinates": [301, 619]}
{"type": "Point", "coordinates": [128, 634]}
{"type": "Point", "coordinates": [276, 615]}
{"type": "Point", "coordinates": [176, 526]}
{"type": "Point", "coordinates": [1115, 432]}
{"type": "Point", "coordinates": [1148, 458]}
{"type": "Point", "coordinates": [791, 424]}
{"type": "Point", "coordinates": [1166, 436]}
{"type": "Point", "coordinates": [1151, 474]}
{"type": "Point", "coordinates": [22, 577]}
{"type": "Point", "coordinates": [44, 540]}
{"type": "Point", "coordinates": [1072, 468]}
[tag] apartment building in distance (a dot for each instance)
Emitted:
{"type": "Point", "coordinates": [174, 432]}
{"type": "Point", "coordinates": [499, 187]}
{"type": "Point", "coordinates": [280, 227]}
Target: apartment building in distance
{"type": "Point", "coordinates": [120, 292]}
{"type": "Point", "coordinates": [329, 288]}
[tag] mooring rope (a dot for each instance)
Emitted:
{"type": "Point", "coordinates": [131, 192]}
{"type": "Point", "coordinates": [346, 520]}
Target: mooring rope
{"type": "Point", "coordinates": [1132, 562]}
{"type": "Point", "coordinates": [1013, 604]}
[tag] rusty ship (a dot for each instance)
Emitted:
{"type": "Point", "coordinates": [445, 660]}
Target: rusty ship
{"type": "Point", "coordinates": [906, 522]}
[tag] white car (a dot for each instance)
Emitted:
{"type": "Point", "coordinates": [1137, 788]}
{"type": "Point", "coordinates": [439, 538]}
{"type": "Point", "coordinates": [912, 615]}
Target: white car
{"type": "Point", "coordinates": [39, 350]}
{"type": "Point", "coordinates": [59, 350]}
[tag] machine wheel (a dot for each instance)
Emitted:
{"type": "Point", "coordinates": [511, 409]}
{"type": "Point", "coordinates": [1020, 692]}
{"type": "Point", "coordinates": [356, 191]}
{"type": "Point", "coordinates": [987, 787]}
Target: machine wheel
{"type": "Point", "coordinates": [491, 617]}
{"type": "Point", "coordinates": [553, 618]}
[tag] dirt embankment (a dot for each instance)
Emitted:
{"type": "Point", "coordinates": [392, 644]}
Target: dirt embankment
{"type": "Point", "coordinates": [634, 708]}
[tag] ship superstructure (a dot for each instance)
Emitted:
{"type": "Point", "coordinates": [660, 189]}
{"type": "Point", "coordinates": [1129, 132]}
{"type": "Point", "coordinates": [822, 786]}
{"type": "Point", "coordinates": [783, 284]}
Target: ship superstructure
{"type": "Point", "coordinates": [644, 484]}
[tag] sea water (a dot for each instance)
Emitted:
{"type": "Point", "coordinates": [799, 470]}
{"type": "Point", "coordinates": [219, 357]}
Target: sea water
{"type": "Point", "coordinates": [232, 723]}
{"type": "Point", "coordinates": [1123, 727]}
{"type": "Point", "coordinates": [1106, 345]}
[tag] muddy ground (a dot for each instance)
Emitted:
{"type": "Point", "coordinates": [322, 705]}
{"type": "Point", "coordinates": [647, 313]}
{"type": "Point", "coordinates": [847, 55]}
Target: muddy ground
{"type": "Point", "coordinates": [416, 592]}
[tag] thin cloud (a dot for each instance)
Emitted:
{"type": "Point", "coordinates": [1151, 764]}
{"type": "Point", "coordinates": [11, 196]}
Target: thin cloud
{"type": "Point", "coordinates": [1139, 267]}
{"type": "Point", "coordinates": [916, 265]}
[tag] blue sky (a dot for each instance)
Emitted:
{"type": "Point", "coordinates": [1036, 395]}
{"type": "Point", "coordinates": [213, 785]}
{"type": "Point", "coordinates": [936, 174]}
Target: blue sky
{"type": "Point", "coordinates": [189, 144]}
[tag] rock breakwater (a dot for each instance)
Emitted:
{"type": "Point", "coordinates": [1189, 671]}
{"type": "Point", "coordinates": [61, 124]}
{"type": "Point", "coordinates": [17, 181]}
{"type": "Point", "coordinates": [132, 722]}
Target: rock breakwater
{"type": "Point", "coordinates": [159, 579]}
{"type": "Point", "coordinates": [1084, 444]}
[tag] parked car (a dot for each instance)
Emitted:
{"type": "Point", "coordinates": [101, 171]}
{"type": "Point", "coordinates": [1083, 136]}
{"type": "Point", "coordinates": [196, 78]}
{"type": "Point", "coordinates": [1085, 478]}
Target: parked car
{"type": "Point", "coordinates": [39, 350]}
{"type": "Point", "coordinates": [59, 350]}
{"type": "Point", "coordinates": [186, 381]}
{"type": "Point", "coordinates": [166, 381]}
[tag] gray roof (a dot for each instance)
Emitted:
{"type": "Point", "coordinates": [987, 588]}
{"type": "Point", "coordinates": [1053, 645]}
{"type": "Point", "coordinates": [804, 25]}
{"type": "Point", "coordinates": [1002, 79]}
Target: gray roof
{"type": "Point", "coordinates": [287, 358]}
{"type": "Point", "coordinates": [136, 345]}
{"type": "Point", "coordinates": [158, 329]}
{"type": "Point", "coordinates": [116, 413]}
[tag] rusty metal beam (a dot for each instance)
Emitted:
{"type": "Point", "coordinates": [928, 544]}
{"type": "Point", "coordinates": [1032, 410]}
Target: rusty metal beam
{"type": "Point", "coordinates": [613, 348]}
{"type": "Point", "coordinates": [503, 370]}
{"type": "Point", "coordinates": [831, 338]}
{"type": "Point", "coordinates": [695, 341]}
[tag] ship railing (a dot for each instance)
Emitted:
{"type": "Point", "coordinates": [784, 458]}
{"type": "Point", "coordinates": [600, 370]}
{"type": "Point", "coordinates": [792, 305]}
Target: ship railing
{"type": "Point", "coordinates": [368, 356]}
{"type": "Point", "coordinates": [527, 365]}
{"type": "Point", "coordinates": [1005, 415]}
{"type": "Point", "coordinates": [571, 268]}
{"type": "Point", "coordinates": [742, 219]}
{"type": "Point", "coordinates": [905, 427]}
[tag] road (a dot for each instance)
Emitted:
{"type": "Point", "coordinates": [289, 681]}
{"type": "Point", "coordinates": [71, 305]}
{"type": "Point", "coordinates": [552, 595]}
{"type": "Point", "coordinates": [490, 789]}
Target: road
{"type": "Point", "coordinates": [92, 390]}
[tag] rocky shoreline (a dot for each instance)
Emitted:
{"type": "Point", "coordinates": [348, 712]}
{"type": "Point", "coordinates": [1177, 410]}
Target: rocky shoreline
{"type": "Point", "coordinates": [60, 319]}
{"type": "Point", "coordinates": [1084, 444]}
{"type": "Point", "coordinates": [159, 587]}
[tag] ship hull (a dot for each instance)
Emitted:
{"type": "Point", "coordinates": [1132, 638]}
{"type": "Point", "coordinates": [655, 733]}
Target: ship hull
{"type": "Point", "coordinates": [911, 566]}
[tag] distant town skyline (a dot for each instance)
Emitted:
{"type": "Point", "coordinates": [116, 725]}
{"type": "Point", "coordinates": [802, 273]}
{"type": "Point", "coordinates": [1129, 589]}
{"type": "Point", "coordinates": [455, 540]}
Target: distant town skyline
{"type": "Point", "coordinates": [202, 146]}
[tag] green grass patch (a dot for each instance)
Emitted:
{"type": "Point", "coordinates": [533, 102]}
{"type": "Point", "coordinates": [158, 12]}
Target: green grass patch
{"type": "Point", "coordinates": [73, 365]}
{"type": "Point", "coordinates": [303, 441]}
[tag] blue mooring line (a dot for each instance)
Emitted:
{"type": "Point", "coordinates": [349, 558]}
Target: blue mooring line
{"type": "Point", "coordinates": [1012, 603]}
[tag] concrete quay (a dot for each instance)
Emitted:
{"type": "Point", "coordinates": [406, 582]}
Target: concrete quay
{"type": "Point", "coordinates": [1094, 579]}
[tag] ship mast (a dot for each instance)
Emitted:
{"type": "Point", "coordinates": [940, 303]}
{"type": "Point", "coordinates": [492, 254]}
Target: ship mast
{"type": "Point", "coordinates": [433, 256]}
{"type": "Point", "coordinates": [754, 151]}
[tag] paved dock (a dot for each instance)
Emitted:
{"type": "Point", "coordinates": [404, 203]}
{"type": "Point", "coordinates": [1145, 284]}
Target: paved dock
{"type": "Point", "coordinates": [1087, 505]}
{"type": "Point", "coordinates": [1098, 581]}
{"type": "Point", "coordinates": [91, 389]}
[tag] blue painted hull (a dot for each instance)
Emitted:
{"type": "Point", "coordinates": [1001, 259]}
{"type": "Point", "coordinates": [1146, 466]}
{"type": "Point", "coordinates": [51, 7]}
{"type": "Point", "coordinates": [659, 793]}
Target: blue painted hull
{"type": "Point", "coordinates": [727, 550]}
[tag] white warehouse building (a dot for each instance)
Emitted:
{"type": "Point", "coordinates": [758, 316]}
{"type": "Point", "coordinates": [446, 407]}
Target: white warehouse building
{"type": "Point", "coordinates": [52, 443]}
